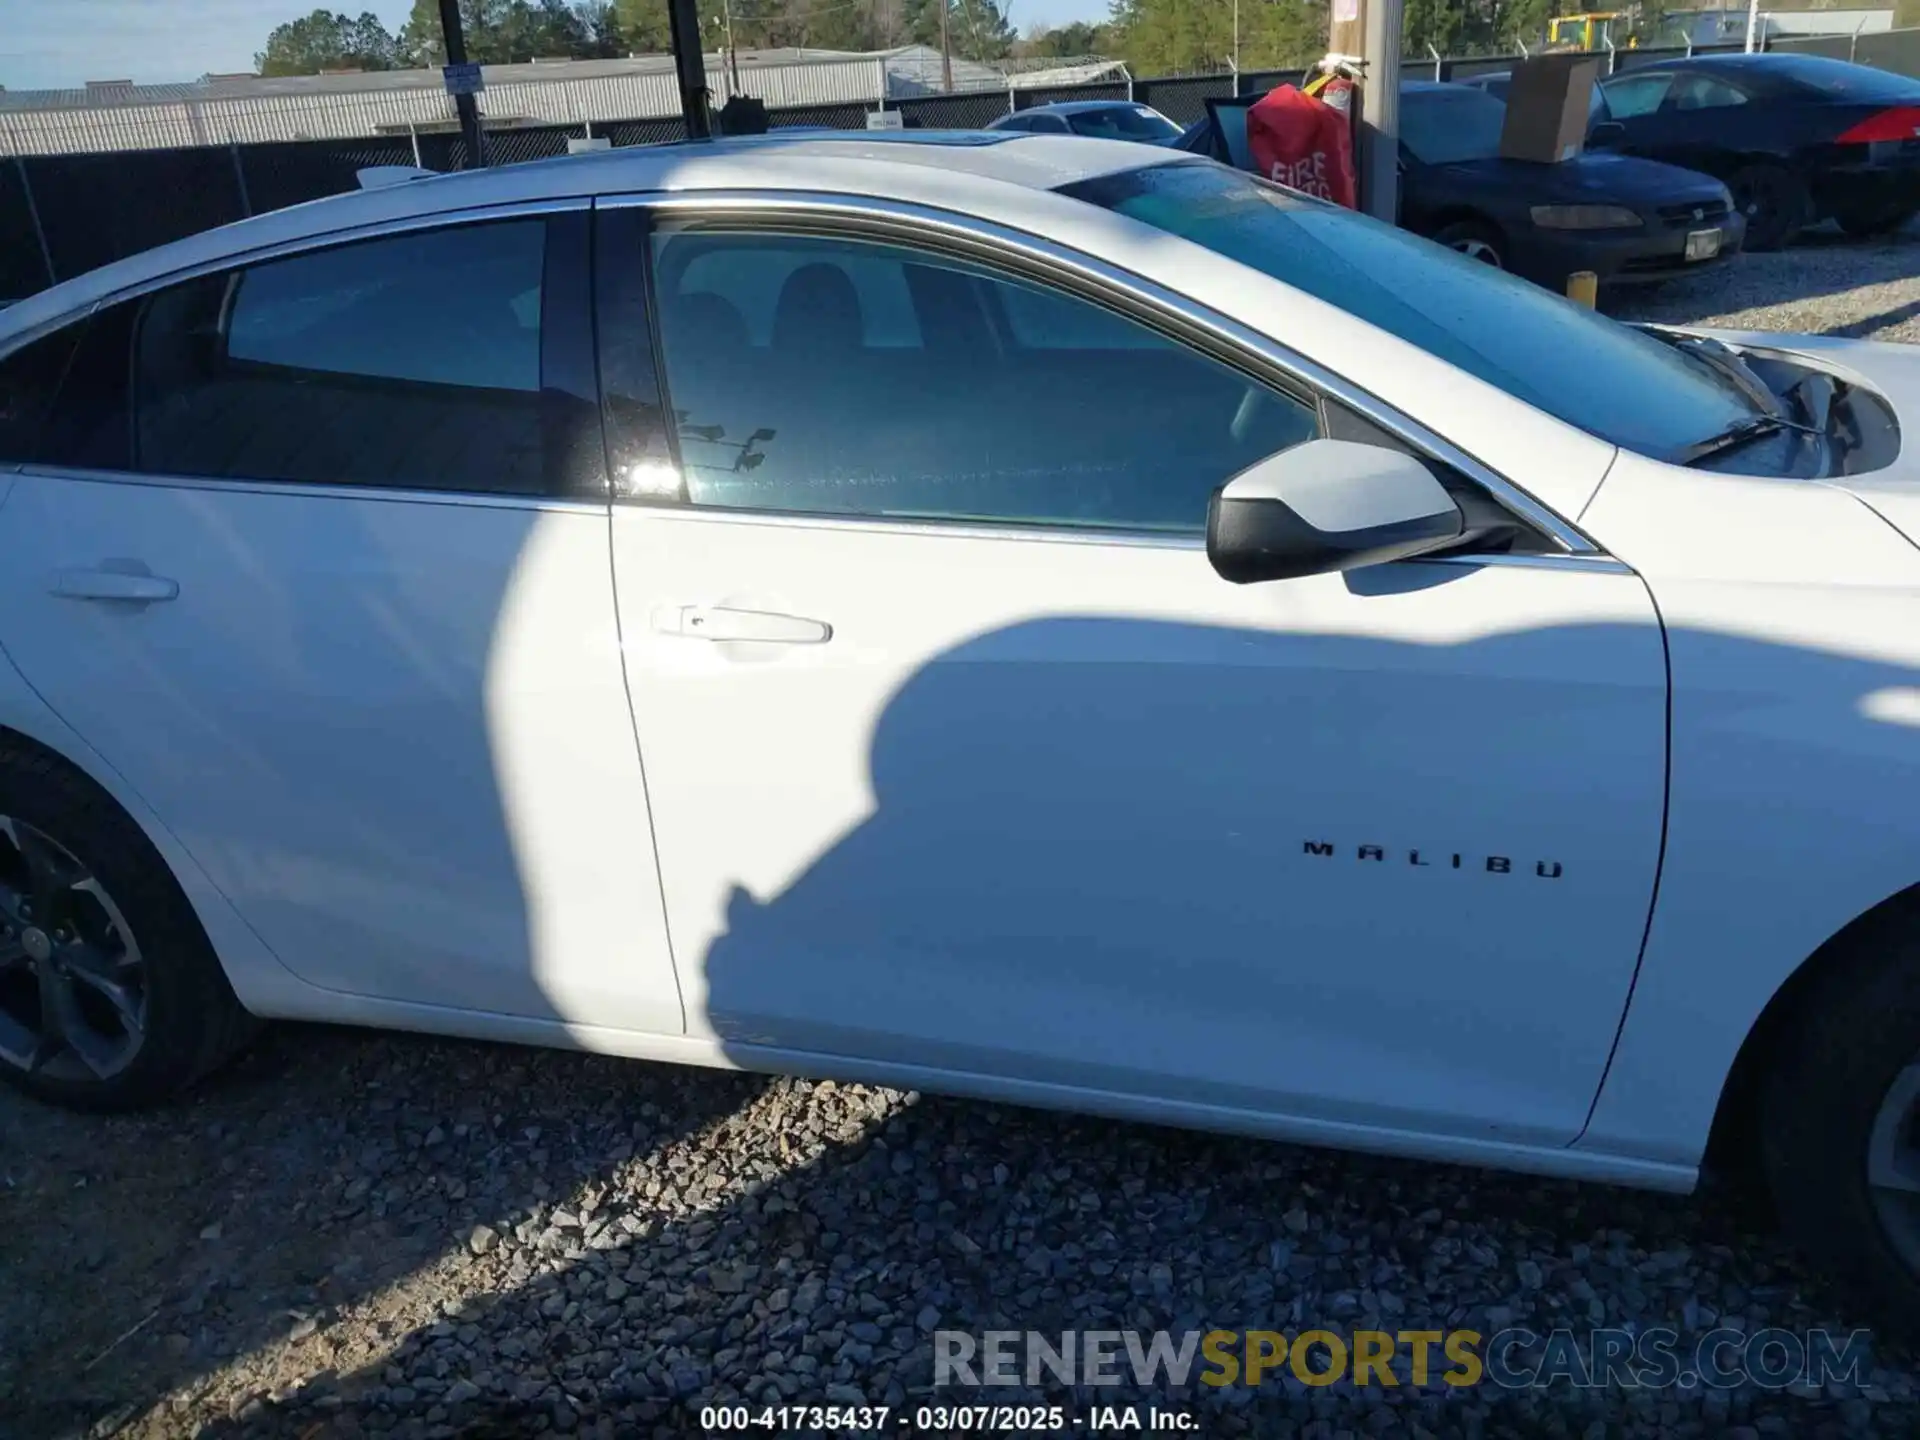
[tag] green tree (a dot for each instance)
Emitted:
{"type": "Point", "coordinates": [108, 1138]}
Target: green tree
{"type": "Point", "coordinates": [327, 40]}
{"type": "Point", "coordinates": [600, 24]}
{"type": "Point", "coordinates": [499, 32]}
{"type": "Point", "coordinates": [1170, 37]}
{"type": "Point", "coordinates": [1064, 41]}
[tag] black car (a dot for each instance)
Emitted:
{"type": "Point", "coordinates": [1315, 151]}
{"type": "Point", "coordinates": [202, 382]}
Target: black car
{"type": "Point", "coordinates": [1105, 119]}
{"type": "Point", "coordinates": [1797, 138]}
{"type": "Point", "coordinates": [1624, 219]}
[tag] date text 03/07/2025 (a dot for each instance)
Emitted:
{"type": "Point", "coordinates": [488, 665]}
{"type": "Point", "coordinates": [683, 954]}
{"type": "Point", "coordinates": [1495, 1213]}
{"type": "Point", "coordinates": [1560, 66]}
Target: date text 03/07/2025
{"type": "Point", "coordinates": [943, 1419]}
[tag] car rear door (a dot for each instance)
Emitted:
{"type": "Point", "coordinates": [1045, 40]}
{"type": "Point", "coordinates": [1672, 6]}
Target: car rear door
{"type": "Point", "coordinates": [963, 759]}
{"type": "Point", "coordinates": [314, 555]}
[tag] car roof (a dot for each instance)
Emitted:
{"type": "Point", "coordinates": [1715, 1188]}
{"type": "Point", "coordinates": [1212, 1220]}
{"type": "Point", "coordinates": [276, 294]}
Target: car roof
{"type": "Point", "coordinates": [1080, 107]}
{"type": "Point", "coordinates": [928, 166]}
{"type": "Point", "coordinates": [1713, 60]}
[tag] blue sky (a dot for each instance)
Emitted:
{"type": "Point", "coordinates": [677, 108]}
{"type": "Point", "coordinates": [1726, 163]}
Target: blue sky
{"type": "Point", "coordinates": [46, 44]}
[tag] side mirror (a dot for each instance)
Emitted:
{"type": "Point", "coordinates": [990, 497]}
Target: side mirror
{"type": "Point", "coordinates": [1606, 135]}
{"type": "Point", "coordinates": [1324, 506]}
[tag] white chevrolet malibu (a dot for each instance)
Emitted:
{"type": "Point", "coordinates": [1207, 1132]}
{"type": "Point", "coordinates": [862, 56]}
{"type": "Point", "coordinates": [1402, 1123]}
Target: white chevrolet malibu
{"type": "Point", "coordinates": [1010, 615]}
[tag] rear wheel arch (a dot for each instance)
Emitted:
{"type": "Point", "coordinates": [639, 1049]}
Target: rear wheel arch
{"type": "Point", "coordinates": [148, 1008]}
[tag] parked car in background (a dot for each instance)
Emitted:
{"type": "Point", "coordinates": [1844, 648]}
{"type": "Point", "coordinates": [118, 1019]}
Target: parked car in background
{"type": "Point", "coordinates": [1099, 119]}
{"type": "Point", "coordinates": [1498, 82]}
{"type": "Point", "coordinates": [1624, 219]}
{"type": "Point", "coordinates": [1797, 138]}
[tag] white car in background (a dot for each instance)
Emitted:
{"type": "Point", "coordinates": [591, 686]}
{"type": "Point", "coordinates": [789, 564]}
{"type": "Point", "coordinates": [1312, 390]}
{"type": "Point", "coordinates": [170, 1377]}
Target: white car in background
{"type": "Point", "coordinates": [1009, 615]}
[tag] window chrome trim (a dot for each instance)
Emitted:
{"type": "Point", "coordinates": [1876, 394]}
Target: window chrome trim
{"type": "Point", "coordinates": [482, 499]}
{"type": "Point", "coordinates": [1070, 535]}
{"type": "Point", "coordinates": [919, 224]}
{"type": "Point", "coordinates": [1594, 563]}
{"type": "Point", "coordinates": [1037, 532]}
{"type": "Point", "coordinates": [285, 249]}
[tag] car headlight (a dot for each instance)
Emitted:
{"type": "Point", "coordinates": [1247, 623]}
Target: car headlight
{"type": "Point", "coordinates": [1584, 217]}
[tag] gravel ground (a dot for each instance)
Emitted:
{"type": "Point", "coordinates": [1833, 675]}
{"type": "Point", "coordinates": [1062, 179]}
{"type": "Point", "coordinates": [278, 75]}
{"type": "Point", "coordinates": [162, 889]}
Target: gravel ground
{"type": "Point", "coordinates": [371, 1234]}
{"type": "Point", "coordinates": [1826, 285]}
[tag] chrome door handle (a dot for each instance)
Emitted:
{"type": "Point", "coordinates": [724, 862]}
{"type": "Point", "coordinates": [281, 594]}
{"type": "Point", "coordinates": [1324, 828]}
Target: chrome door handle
{"type": "Point", "coordinates": [108, 584]}
{"type": "Point", "coordinates": [723, 622]}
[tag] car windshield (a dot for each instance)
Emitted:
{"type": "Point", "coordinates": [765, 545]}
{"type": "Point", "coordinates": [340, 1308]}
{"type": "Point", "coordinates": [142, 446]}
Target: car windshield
{"type": "Point", "coordinates": [1612, 381]}
{"type": "Point", "coordinates": [1124, 122]}
{"type": "Point", "coordinates": [1441, 127]}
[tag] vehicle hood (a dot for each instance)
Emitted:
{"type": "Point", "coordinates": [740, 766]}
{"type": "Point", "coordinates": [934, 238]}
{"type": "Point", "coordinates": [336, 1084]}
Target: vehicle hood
{"type": "Point", "coordinates": [1591, 177]}
{"type": "Point", "coordinates": [1890, 371]}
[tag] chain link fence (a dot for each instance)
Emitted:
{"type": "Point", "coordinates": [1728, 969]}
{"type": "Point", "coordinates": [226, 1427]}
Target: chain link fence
{"type": "Point", "coordinates": [23, 261]}
{"type": "Point", "coordinates": [61, 215]}
{"type": "Point", "coordinates": [967, 111]}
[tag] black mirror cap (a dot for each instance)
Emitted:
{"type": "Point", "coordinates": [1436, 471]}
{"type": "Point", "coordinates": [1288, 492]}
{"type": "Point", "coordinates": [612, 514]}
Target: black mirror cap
{"type": "Point", "coordinates": [1258, 539]}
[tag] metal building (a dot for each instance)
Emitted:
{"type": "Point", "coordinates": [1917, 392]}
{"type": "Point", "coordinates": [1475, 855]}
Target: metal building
{"type": "Point", "coordinates": [245, 109]}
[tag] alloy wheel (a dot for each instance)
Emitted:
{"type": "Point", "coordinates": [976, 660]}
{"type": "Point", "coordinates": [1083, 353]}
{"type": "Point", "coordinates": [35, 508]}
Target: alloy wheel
{"type": "Point", "coordinates": [1476, 249]}
{"type": "Point", "coordinates": [73, 983]}
{"type": "Point", "coordinates": [1893, 1165]}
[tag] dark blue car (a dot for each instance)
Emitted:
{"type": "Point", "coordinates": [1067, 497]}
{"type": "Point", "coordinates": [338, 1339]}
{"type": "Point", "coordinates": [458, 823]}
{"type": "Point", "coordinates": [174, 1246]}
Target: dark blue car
{"type": "Point", "coordinates": [1625, 219]}
{"type": "Point", "coordinates": [1797, 138]}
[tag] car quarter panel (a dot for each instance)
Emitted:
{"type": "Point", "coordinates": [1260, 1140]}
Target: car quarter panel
{"type": "Point", "coordinates": [1789, 609]}
{"type": "Point", "coordinates": [264, 985]}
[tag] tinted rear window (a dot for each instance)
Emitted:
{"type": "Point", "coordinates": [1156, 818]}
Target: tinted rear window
{"type": "Point", "coordinates": [29, 379]}
{"type": "Point", "coordinates": [410, 362]}
{"type": "Point", "coordinates": [1124, 122]}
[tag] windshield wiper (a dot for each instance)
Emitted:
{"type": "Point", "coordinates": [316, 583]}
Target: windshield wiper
{"type": "Point", "coordinates": [1740, 433]}
{"type": "Point", "coordinates": [1729, 363]}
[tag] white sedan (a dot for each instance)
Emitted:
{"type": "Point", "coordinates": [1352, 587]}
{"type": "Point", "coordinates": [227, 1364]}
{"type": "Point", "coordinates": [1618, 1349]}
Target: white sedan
{"type": "Point", "coordinates": [1008, 615]}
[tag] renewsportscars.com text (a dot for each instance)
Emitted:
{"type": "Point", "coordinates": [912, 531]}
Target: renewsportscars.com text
{"type": "Point", "coordinates": [1514, 1358]}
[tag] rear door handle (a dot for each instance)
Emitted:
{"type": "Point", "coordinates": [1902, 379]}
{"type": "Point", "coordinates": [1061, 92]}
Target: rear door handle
{"type": "Point", "coordinates": [107, 584]}
{"type": "Point", "coordinates": [723, 622]}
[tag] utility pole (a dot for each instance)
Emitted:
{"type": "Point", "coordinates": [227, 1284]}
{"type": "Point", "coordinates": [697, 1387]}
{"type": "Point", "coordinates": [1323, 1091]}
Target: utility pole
{"type": "Point", "coordinates": [690, 66]}
{"type": "Point", "coordinates": [1753, 24]}
{"type": "Point", "coordinates": [1370, 29]}
{"type": "Point", "coordinates": [455, 40]}
{"type": "Point", "coordinates": [1380, 110]}
{"type": "Point", "coordinates": [1236, 47]}
{"type": "Point", "coordinates": [946, 51]}
{"type": "Point", "coordinates": [733, 53]}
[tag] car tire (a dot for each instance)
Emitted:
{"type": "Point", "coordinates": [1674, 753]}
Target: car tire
{"type": "Point", "coordinates": [1775, 202]}
{"type": "Point", "coordinates": [1839, 1110]}
{"type": "Point", "coordinates": [111, 997]}
{"type": "Point", "coordinates": [1475, 240]}
{"type": "Point", "coordinates": [1864, 223]}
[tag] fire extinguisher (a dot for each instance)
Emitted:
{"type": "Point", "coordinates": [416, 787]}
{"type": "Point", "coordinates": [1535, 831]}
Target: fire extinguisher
{"type": "Point", "coordinates": [1335, 87]}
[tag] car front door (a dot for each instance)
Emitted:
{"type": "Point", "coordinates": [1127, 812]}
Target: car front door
{"type": "Point", "coordinates": [963, 758]}
{"type": "Point", "coordinates": [1703, 124]}
{"type": "Point", "coordinates": [315, 558]}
